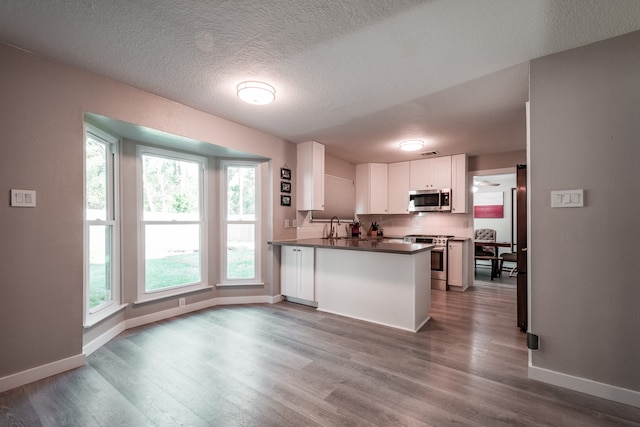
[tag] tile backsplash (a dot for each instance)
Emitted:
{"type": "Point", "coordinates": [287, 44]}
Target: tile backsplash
{"type": "Point", "coordinates": [459, 225]}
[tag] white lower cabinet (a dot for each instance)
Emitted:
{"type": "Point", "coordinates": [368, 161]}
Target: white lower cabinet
{"type": "Point", "coordinates": [297, 276]}
{"type": "Point", "coordinates": [458, 265]}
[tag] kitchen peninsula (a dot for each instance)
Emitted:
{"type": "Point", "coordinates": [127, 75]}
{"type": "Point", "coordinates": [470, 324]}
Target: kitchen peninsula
{"type": "Point", "coordinates": [375, 280]}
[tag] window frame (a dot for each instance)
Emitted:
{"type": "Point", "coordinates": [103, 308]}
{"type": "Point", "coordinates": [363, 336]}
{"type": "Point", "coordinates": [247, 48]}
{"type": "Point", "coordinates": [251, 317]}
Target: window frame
{"type": "Point", "coordinates": [143, 295]}
{"type": "Point", "coordinates": [224, 222]}
{"type": "Point", "coordinates": [91, 316]}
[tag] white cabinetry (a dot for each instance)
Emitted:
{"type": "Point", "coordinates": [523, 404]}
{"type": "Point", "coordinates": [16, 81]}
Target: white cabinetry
{"type": "Point", "coordinates": [430, 173]}
{"type": "Point", "coordinates": [310, 177]}
{"type": "Point", "coordinates": [371, 188]}
{"type": "Point", "coordinates": [458, 266]}
{"type": "Point", "coordinates": [459, 185]}
{"type": "Point", "coordinates": [297, 278]}
{"type": "Point", "coordinates": [398, 191]}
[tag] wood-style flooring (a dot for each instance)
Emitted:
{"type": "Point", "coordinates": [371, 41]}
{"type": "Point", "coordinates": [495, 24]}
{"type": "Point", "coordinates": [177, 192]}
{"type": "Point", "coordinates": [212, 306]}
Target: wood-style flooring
{"type": "Point", "coordinates": [290, 365]}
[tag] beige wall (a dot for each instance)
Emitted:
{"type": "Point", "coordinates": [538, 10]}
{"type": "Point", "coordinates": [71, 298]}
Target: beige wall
{"type": "Point", "coordinates": [497, 161]}
{"type": "Point", "coordinates": [41, 148]}
{"type": "Point", "coordinates": [338, 167]}
{"type": "Point", "coordinates": [585, 281]}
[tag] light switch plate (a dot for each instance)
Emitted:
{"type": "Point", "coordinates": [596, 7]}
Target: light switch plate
{"type": "Point", "coordinates": [567, 199]}
{"type": "Point", "coordinates": [23, 198]}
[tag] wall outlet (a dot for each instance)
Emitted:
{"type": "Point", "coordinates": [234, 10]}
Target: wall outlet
{"type": "Point", "coordinates": [294, 223]}
{"type": "Point", "coordinates": [286, 223]}
{"type": "Point", "coordinates": [181, 302]}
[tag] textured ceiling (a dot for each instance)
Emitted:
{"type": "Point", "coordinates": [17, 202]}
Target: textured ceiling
{"type": "Point", "coordinates": [356, 75]}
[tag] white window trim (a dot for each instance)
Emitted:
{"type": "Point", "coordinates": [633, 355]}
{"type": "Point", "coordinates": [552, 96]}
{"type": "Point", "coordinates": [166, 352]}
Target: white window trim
{"type": "Point", "coordinates": [257, 280]}
{"type": "Point", "coordinates": [143, 295]}
{"type": "Point", "coordinates": [103, 311]}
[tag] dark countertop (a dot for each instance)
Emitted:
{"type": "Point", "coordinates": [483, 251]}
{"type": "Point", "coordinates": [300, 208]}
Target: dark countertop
{"type": "Point", "coordinates": [379, 244]}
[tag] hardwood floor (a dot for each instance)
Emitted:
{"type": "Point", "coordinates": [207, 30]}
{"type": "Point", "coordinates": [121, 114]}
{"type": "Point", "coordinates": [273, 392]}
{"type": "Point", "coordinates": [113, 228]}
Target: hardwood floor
{"type": "Point", "coordinates": [289, 365]}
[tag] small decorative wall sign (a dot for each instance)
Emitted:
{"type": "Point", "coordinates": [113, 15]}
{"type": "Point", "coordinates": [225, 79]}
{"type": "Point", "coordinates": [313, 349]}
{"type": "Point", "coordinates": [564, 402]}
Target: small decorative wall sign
{"type": "Point", "coordinates": [285, 200]}
{"type": "Point", "coordinates": [285, 173]}
{"type": "Point", "coordinates": [285, 187]}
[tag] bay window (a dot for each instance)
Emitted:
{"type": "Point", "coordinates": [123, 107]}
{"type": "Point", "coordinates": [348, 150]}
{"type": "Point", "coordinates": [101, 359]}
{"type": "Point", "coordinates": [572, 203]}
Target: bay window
{"type": "Point", "coordinates": [101, 236]}
{"type": "Point", "coordinates": [172, 227]}
{"type": "Point", "coordinates": [240, 223]}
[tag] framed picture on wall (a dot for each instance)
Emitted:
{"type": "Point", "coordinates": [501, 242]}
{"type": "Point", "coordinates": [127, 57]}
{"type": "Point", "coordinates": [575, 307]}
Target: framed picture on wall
{"type": "Point", "coordinates": [488, 205]}
{"type": "Point", "coordinates": [285, 173]}
{"type": "Point", "coordinates": [285, 200]}
{"type": "Point", "coordinates": [285, 187]}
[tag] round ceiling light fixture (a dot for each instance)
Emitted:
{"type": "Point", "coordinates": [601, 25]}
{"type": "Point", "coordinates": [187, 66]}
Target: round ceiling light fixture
{"type": "Point", "coordinates": [411, 145]}
{"type": "Point", "coordinates": [256, 93]}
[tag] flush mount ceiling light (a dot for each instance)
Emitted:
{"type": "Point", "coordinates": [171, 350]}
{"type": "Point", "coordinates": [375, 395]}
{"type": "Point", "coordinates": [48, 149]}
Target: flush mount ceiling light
{"type": "Point", "coordinates": [257, 93]}
{"type": "Point", "coordinates": [411, 145]}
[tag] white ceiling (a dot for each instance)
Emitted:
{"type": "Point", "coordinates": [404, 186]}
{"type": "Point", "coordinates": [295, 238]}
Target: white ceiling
{"type": "Point", "coordinates": [355, 75]}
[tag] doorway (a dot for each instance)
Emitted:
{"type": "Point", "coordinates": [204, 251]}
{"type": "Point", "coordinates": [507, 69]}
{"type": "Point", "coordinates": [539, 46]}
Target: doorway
{"type": "Point", "coordinates": [494, 207]}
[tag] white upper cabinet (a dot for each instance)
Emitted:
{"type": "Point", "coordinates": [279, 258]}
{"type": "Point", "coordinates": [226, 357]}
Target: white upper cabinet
{"type": "Point", "coordinates": [430, 173]}
{"type": "Point", "coordinates": [459, 184]}
{"type": "Point", "coordinates": [398, 197]}
{"type": "Point", "coordinates": [310, 177]}
{"type": "Point", "coordinates": [371, 188]}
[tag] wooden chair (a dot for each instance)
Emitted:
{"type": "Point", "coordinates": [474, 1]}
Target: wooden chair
{"type": "Point", "coordinates": [484, 252]}
{"type": "Point", "coordinates": [509, 257]}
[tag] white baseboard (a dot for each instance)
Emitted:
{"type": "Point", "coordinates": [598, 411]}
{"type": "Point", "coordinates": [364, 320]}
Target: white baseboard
{"type": "Point", "coordinates": [103, 339]}
{"type": "Point", "coordinates": [177, 311]}
{"type": "Point", "coordinates": [583, 385]}
{"type": "Point", "coordinates": [166, 314]}
{"type": "Point", "coordinates": [59, 366]}
{"type": "Point", "coordinates": [260, 299]}
{"type": "Point", "coordinates": [389, 325]}
{"type": "Point", "coordinates": [41, 372]}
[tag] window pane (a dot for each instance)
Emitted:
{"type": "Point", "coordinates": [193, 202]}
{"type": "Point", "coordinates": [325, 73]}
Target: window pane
{"type": "Point", "coordinates": [172, 255]}
{"type": "Point", "coordinates": [99, 265]}
{"type": "Point", "coordinates": [171, 189]}
{"type": "Point", "coordinates": [241, 193]}
{"type": "Point", "coordinates": [96, 179]}
{"type": "Point", "coordinates": [241, 253]}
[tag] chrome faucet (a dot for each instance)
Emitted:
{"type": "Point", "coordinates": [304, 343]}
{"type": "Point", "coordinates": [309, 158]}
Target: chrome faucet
{"type": "Point", "coordinates": [332, 230]}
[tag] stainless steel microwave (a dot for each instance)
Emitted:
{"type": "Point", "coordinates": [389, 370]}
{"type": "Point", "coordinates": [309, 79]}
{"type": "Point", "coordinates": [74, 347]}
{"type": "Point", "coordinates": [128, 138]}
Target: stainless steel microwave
{"type": "Point", "coordinates": [430, 200]}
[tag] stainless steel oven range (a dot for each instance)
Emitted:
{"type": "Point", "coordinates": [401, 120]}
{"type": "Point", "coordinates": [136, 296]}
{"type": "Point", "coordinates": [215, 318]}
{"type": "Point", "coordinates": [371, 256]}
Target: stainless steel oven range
{"type": "Point", "coordinates": [439, 257]}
